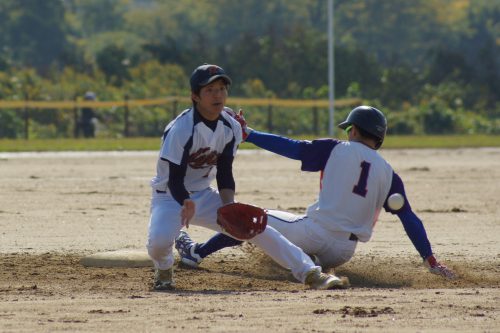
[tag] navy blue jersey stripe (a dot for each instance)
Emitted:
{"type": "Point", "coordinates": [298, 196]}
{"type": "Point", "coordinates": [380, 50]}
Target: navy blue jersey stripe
{"type": "Point", "coordinates": [225, 121]}
{"type": "Point", "coordinates": [196, 117]}
{"type": "Point", "coordinates": [179, 116]}
{"type": "Point", "coordinates": [286, 221]}
{"type": "Point", "coordinates": [187, 147]}
{"type": "Point", "coordinates": [165, 135]}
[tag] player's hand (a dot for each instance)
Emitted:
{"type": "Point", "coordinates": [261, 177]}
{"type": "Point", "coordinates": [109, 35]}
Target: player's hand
{"type": "Point", "coordinates": [243, 123]}
{"type": "Point", "coordinates": [187, 212]}
{"type": "Point", "coordinates": [435, 267]}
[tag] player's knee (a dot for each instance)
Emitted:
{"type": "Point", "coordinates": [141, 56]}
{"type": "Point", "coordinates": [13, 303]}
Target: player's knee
{"type": "Point", "coordinates": [159, 247]}
{"type": "Point", "coordinates": [161, 257]}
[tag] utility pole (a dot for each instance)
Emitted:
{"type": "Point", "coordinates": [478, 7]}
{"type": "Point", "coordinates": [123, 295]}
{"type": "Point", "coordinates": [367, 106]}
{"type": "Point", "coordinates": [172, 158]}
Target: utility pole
{"type": "Point", "coordinates": [331, 64]}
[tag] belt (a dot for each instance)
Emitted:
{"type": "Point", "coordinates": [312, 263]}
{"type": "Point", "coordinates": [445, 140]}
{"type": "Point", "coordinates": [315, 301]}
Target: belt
{"type": "Point", "coordinates": [353, 237]}
{"type": "Point", "coordinates": [190, 192]}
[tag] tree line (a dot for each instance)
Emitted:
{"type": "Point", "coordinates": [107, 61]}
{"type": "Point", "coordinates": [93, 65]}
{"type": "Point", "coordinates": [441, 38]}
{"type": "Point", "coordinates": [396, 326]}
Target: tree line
{"type": "Point", "coordinates": [432, 65]}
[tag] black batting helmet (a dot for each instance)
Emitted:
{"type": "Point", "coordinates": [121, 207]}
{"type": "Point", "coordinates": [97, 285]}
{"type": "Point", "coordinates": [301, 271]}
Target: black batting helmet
{"type": "Point", "coordinates": [368, 119]}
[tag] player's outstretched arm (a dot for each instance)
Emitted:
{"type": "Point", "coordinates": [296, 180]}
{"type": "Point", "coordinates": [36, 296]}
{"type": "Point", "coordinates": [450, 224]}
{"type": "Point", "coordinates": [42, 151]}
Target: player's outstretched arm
{"type": "Point", "coordinates": [278, 144]}
{"type": "Point", "coordinates": [415, 229]}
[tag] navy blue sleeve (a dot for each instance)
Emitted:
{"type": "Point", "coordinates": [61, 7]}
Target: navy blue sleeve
{"type": "Point", "coordinates": [277, 144]}
{"type": "Point", "coordinates": [397, 186]}
{"type": "Point", "coordinates": [177, 173]}
{"type": "Point", "coordinates": [412, 224]}
{"type": "Point", "coordinates": [176, 182]}
{"type": "Point", "coordinates": [313, 154]}
{"type": "Point", "coordinates": [316, 154]}
{"type": "Point", "coordinates": [224, 176]}
{"type": "Point", "coordinates": [416, 232]}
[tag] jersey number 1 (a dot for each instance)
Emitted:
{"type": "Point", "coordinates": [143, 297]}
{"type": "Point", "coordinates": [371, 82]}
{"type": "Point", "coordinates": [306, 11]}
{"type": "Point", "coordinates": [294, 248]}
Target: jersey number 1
{"type": "Point", "coordinates": [360, 187]}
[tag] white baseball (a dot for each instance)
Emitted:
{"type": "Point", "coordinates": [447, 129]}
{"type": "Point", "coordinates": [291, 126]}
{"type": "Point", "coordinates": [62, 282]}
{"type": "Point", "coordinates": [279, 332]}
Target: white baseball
{"type": "Point", "coordinates": [396, 201]}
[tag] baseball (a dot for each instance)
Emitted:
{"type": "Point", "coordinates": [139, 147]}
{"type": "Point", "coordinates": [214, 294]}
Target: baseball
{"type": "Point", "coordinates": [396, 201]}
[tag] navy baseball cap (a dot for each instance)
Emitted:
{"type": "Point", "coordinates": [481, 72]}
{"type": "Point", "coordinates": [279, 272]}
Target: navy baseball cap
{"type": "Point", "coordinates": [206, 74]}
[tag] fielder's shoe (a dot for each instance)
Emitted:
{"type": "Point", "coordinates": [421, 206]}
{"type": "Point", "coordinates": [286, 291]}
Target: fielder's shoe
{"type": "Point", "coordinates": [164, 279]}
{"type": "Point", "coordinates": [318, 280]}
{"type": "Point", "coordinates": [315, 259]}
{"type": "Point", "coordinates": [186, 248]}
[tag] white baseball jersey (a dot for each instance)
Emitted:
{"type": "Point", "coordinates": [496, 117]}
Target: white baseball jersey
{"type": "Point", "coordinates": [188, 140]}
{"type": "Point", "coordinates": [354, 186]}
{"type": "Point", "coordinates": [191, 144]}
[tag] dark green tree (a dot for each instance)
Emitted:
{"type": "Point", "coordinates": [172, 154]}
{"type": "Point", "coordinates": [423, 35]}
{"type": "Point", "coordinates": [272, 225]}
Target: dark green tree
{"type": "Point", "coordinates": [97, 16]}
{"type": "Point", "coordinates": [113, 62]}
{"type": "Point", "coordinates": [34, 32]}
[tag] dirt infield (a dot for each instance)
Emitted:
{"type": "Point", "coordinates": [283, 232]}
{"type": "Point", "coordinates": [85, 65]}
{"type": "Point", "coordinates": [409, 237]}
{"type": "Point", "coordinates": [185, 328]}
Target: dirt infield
{"type": "Point", "coordinates": [56, 208]}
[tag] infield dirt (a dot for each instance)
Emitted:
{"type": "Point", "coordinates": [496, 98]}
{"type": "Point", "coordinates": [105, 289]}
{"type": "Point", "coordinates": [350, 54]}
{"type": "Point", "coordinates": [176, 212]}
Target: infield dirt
{"type": "Point", "coordinates": [56, 208]}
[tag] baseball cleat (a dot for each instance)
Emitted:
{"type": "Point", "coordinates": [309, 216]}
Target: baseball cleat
{"type": "Point", "coordinates": [186, 248]}
{"type": "Point", "coordinates": [315, 259]}
{"type": "Point", "coordinates": [321, 281]}
{"type": "Point", "coordinates": [164, 279]}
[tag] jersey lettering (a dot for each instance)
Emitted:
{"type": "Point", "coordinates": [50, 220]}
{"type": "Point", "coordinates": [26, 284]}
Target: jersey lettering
{"type": "Point", "coordinates": [360, 187]}
{"type": "Point", "coordinates": [203, 158]}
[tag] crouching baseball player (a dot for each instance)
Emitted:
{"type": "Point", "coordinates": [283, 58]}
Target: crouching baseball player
{"type": "Point", "coordinates": [198, 147]}
{"type": "Point", "coordinates": [356, 183]}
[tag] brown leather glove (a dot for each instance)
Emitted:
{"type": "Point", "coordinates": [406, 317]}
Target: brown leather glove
{"type": "Point", "coordinates": [242, 221]}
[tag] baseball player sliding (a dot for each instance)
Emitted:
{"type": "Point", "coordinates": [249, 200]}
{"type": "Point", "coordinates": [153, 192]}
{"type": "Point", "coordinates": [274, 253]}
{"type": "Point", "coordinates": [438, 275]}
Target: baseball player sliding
{"type": "Point", "coordinates": [198, 147]}
{"type": "Point", "coordinates": [356, 183]}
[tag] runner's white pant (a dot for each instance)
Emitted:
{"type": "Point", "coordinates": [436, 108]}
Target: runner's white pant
{"type": "Point", "coordinates": [331, 248]}
{"type": "Point", "coordinates": [165, 225]}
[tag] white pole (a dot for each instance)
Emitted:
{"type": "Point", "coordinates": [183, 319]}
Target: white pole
{"type": "Point", "coordinates": [331, 55]}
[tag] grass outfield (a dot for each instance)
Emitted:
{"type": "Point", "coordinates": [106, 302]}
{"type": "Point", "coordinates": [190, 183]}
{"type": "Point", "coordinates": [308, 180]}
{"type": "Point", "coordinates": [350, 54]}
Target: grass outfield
{"type": "Point", "coordinates": [104, 144]}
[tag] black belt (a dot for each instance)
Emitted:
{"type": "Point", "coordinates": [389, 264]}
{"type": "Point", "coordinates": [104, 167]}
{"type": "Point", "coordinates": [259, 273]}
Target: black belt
{"type": "Point", "coordinates": [353, 237]}
{"type": "Point", "coordinates": [158, 191]}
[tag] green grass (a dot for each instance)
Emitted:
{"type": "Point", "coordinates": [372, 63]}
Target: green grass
{"type": "Point", "coordinates": [105, 144]}
{"type": "Point", "coordinates": [437, 141]}
{"type": "Point", "coordinates": [97, 144]}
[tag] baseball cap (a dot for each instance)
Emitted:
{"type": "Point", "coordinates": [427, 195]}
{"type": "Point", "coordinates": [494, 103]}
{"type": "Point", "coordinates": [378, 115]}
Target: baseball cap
{"type": "Point", "coordinates": [206, 74]}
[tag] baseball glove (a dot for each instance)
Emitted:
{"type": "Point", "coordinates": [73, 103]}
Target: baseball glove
{"type": "Point", "coordinates": [242, 221]}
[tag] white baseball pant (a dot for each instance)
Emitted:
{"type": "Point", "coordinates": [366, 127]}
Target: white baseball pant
{"type": "Point", "coordinates": [165, 224]}
{"type": "Point", "coordinates": [331, 248]}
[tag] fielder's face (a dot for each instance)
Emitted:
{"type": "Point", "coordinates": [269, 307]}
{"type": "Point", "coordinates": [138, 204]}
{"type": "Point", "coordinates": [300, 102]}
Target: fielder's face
{"type": "Point", "coordinates": [211, 99]}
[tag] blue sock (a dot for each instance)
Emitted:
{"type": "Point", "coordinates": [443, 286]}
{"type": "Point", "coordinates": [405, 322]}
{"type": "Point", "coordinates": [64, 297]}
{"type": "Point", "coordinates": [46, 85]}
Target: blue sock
{"type": "Point", "coordinates": [216, 243]}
